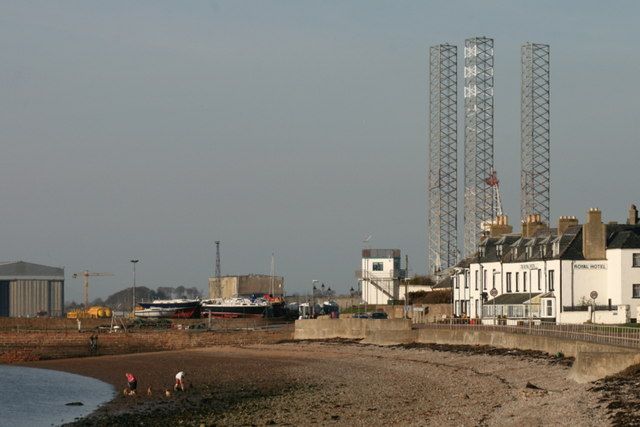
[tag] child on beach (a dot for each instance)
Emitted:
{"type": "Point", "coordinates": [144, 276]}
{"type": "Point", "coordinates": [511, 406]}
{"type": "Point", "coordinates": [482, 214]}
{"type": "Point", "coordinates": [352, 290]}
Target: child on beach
{"type": "Point", "coordinates": [179, 381]}
{"type": "Point", "coordinates": [133, 383]}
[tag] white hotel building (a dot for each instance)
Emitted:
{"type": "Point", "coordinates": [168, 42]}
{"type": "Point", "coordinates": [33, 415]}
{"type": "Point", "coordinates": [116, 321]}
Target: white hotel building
{"type": "Point", "coordinates": [572, 274]}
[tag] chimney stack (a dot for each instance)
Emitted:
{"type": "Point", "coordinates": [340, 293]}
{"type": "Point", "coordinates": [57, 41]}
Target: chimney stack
{"type": "Point", "coordinates": [633, 215]}
{"type": "Point", "coordinates": [565, 222]}
{"type": "Point", "coordinates": [532, 225]}
{"type": "Point", "coordinates": [594, 236]}
{"type": "Point", "coordinates": [500, 226]}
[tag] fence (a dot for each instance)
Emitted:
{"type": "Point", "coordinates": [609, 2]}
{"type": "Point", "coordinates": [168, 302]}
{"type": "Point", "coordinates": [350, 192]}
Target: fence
{"type": "Point", "coordinates": [55, 325]}
{"type": "Point", "coordinates": [613, 335]}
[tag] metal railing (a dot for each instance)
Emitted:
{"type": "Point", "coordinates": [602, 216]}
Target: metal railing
{"type": "Point", "coordinates": [623, 336]}
{"type": "Point", "coordinates": [397, 274]}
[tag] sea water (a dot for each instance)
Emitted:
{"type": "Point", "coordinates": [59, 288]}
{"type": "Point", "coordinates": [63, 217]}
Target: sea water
{"type": "Point", "coordinates": [39, 397]}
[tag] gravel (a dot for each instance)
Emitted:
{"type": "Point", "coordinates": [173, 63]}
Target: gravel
{"type": "Point", "coordinates": [348, 384]}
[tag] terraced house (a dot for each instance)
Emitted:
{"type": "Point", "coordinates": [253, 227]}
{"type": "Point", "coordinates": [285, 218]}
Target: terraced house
{"type": "Point", "coordinates": [574, 273]}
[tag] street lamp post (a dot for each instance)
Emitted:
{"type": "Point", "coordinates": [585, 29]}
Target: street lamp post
{"type": "Point", "coordinates": [133, 307]}
{"type": "Point", "coordinates": [406, 298]}
{"type": "Point", "coordinates": [351, 299]}
{"type": "Point", "coordinates": [312, 309]}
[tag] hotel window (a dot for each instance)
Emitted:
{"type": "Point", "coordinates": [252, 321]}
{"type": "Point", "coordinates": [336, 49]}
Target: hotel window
{"type": "Point", "coordinates": [378, 266]}
{"type": "Point", "coordinates": [551, 287]}
{"type": "Point", "coordinates": [517, 282]}
{"type": "Point", "coordinates": [636, 290]}
{"type": "Point", "coordinates": [539, 281]}
{"type": "Point", "coordinates": [549, 308]}
{"type": "Point", "coordinates": [484, 280]}
{"type": "Point", "coordinates": [456, 280]}
{"type": "Point", "coordinates": [524, 281]}
{"type": "Point", "coordinates": [467, 279]}
{"type": "Point", "coordinates": [636, 260]}
{"type": "Point", "coordinates": [508, 282]}
{"type": "Point", "coordinates": [476, 272]}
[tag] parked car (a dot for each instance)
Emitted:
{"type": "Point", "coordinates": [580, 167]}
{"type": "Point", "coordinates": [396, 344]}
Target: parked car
{"type": "Point", "coordinates": [379, 315]}
{"type": "Point", "coordinates": [361, 316]}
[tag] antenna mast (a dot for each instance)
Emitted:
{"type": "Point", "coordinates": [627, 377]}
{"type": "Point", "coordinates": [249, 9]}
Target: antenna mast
{"type": "Point", "coordinates": [478, 137]}
{"type": "Point", "coordinates": [217, 273]}
{"type": "Point", "coordinates": [535, 181]}
{"type": "Point", "coordinates": [443, 157]}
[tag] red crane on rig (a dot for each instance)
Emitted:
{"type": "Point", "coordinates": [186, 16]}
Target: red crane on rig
{"type": "Point", "coordinates": [493, 182]}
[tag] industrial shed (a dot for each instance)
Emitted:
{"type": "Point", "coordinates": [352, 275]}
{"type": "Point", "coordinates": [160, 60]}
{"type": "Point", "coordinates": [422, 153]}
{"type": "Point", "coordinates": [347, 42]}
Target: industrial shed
{"type": "Point", "coordinates": [28, 290]}
{"type": "Point", "coordinates": [239, 286]}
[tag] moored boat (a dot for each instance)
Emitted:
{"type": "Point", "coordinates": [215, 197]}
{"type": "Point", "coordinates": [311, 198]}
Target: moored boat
{"type": "Point", "coordinates": [175, 308]}
{"type": "Point", "coordinates": [235, 307]}
{"type": "Point", "coordinates": [155, 312]}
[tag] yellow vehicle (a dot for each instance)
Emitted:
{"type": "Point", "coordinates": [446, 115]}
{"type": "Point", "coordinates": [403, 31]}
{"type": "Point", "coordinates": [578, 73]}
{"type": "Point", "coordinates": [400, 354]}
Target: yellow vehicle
{"type": "Point", "coordinates": [92, 313]}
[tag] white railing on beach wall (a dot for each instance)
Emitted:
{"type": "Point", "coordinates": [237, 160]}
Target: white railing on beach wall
{"type": "Point", "coordinates": [601, 334]}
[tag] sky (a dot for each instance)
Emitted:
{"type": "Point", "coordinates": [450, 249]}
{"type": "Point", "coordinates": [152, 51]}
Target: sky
{"type": "Point", "coordinates": [285, 129]}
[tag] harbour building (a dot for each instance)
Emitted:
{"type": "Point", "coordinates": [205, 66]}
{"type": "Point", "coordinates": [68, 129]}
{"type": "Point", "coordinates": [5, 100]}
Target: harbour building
{"type": "Point", "coordinates": [29, 290]}
{"type": "Point", "coordinates": [245, 286]}
{"type": "Point", "coordinates": [381, 276]}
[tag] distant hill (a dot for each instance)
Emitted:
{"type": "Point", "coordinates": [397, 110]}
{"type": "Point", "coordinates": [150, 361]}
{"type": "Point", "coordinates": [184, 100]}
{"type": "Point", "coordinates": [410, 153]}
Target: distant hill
{"type": "Point", "coordinates": [123, 299]}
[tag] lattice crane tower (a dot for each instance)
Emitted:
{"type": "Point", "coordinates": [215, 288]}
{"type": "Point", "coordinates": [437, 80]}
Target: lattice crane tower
{"type": "Point", "coordinates": [478, 138]}
{"type": "Point", "coordinates": [535, 181]}
{"type": "Point", "coordinates": [443, 157]}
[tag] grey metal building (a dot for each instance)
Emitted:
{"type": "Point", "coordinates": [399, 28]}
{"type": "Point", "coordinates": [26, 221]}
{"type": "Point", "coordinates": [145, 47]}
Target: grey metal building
{"type": "Point", "coordinates": [27, 290]}
{"type": "Point", "coordinates": [239, 286]}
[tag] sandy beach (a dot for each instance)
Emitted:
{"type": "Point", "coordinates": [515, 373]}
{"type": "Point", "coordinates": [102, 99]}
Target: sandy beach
{"type": "Point", "coordinates": [339, 383]}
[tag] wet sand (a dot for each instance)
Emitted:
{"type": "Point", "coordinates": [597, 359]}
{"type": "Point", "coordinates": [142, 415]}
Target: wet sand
{"type": "Point", "coordinates": [339, 383]}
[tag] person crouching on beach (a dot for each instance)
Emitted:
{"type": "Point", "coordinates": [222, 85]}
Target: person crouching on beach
{"type": "Point", "coordinates": [179, 381]}
{"type": "Point", "coordinates": [133, 383]}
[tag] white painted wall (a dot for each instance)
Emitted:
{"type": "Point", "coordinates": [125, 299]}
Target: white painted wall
{"type": "Point", "coordinates": [384, 279]}
{"type": "Point", "coordinates": [574, 280]}
{"type": "Point", "coordinates": [622, 277]}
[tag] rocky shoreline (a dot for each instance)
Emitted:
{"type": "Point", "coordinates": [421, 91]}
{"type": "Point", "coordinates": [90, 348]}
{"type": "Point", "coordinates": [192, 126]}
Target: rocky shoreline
{"type": "Point", "coordinates": [345, 383]}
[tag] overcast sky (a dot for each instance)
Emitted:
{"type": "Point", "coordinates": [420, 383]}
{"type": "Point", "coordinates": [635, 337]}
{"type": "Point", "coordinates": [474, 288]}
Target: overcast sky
{"type": "Point", "coordinates": [151, 129]}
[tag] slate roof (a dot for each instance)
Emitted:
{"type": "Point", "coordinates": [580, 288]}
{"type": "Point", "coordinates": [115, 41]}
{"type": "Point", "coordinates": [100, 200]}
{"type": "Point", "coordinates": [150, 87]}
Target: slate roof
{"type": "Point", "coordinates": [541, 246]}
{"type": "Point", "coordinates": [16, 270]}
{"type": "Point", "coordinates": [445, 283]}
{"type": "Point", "coordinates": [508, 299]}
{"type": "Point", "coordinates": [623, 238]}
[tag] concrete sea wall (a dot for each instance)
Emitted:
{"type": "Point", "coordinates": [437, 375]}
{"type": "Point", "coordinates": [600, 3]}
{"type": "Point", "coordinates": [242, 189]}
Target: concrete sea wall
{"type": "Point", "coordinates": [23, 346]}
{"type": "Point", "coordinates": [592, 361]}
{"type": "Point", "coordinates": [314, 329]}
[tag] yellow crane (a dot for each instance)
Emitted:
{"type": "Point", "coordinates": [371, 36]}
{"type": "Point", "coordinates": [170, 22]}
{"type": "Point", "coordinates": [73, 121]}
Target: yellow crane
{"type": "Point", "coordinates": [86, 274]}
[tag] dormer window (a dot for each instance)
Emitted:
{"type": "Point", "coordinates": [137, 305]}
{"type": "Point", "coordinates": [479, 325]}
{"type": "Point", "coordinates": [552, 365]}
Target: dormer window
{"type": "Point", "coordinates": [556, 248]}
{"type": "Point", "coordinates": [529, 251]}
{"type": "Point", "coordinates": [499, 250]}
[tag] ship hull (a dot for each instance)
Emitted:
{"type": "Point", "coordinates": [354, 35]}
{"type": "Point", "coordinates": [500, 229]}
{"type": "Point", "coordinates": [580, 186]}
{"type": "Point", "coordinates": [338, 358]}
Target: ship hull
{"type": "Point", "coordinates": [234, 308]}
{"type": "Point", "coordinates": [169, 309]}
